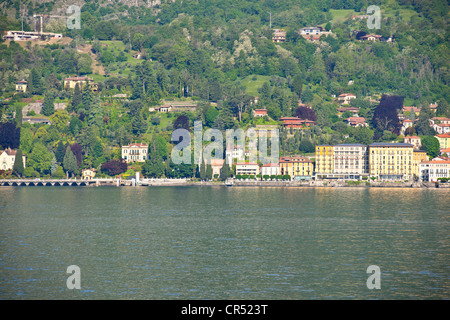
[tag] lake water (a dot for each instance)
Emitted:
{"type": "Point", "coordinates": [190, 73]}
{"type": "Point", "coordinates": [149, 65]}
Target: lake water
{"type": "Point", "coordinates": [224, 243]}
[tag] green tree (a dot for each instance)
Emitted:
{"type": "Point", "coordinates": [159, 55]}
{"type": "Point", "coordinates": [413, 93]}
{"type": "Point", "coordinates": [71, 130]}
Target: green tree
{"type": "Point", "coordinates": [77, 97]}
{"type": "Point", "coordinates": [209, 172]}
{"type": "Point", "coordinates": [18, 115]}
{"type": "Point", "coordinates": [60, 119]}
{"type": "Point", "coordinates": [60, 152]}
{"type": "Point", "coordinates": [202, 171]}
{"type": "Point", "coordinates": [35, 83]}
{"type": "Point", "coordinates": [53, 166]}
{"type": "Point", "coordinates": [18, 168]}
{"type": "Point", "coordinates": [225, 171]}
{"type": "Point", "coordinates": [40, 158]}
{"type": "Point", "coordinates": [70, 162]}
{"type": "Point", "coordinates": [431, 146]}
{"type": "Point", "coordinates": [48, 106]}
{"type": "Point", "coordinates": [87, 98]}
{"type": "Point", "coordinates": [26, 140]}
{"type": "Point", "coordinates": [297, 85]}
{"type": "Point", "coordinates": [423, 124]}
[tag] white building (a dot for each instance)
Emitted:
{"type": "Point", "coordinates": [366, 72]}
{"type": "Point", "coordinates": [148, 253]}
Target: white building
{"type": "Point", "coordinates": [346, 97]}
{"type": "Point", "coordinates": [270, 169]}
{"type": "Point", "coordinates": [136, 152]}
{"type": "Point", "coordinates": [7, 158]}
{"type": "Point", "coordinates": [351, 161]}
{"type": "Point", "coordinates": [431, 171]}
{"type": "Point", "coordinates": [414, 140]}
{"type": "Point", "coordinates": [250, 168]}
{"type": "Point", "coordinates": [235, 152]}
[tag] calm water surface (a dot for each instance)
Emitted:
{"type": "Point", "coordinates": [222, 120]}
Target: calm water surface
{"type": "Point", "coordinates": [224, 243]}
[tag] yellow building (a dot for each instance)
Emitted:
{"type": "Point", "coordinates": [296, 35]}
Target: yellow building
{"type": "Point", "coordinates": [324, 160]}
{"type": "Point", "coordinates": [299, 168]}
{"type": "Point", "coordinates": [71, 82]}
{"type": "Point", "coordinates": [21, 86]}
{"type": "Point", "coordinates": [444, 140]}
{"type": "Point", "coordinates": [88, 174]}
{"type": "Point", "coordinates": [418, 157]}
{"type": "Point", "coordinates": [391, 161]}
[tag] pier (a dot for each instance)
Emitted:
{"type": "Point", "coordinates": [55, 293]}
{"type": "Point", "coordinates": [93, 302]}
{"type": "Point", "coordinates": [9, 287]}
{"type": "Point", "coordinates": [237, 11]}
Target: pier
{"type": "Point", "coordinates": [63, 182]}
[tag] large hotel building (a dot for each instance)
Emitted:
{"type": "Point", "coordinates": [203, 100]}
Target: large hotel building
{"type": "Point", "coordinates": [389, 161]}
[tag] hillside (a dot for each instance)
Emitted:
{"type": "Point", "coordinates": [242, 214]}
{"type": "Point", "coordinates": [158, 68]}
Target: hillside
{"type": "Point", "coordinates": [220, 55]}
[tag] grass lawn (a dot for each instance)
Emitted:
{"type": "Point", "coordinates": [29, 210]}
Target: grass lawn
{"type": "Point", "coordinates": [116, 47]}
{"type": "Point", "coordinates": [340, 15]}
{"type": "Point", "coordinates": [252, 86]}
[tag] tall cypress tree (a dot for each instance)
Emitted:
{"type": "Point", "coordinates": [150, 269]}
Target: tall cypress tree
{"type": "Point", "coordinates": [48, 107]}
{"type": "Point", "coordinates": [225, 171]}
{"type": "Point", "coordinates": [60, 152]}
{"type": "Point", "coordinates": [70, 162]}
{"type": "Point", "coordinates": [202, 171]}
{"type": "Point", "coordinates": [209, 172]}
{"type": "Point", "coordinates": [87, 97]}
{"type": "Point", "coordinates": [18, 168]}
{"type": "Point", "coordinates": [53, 166]}
{"type": "Point", "coordinates": [77, 97]}
{"type": "Point", "coordinates": [19, 116]}
{"type": "Point", "coordinates": [36, 84]}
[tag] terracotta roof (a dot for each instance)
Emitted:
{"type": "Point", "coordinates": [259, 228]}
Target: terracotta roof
{"type": "Point", "coordinates": [246, 163]}
{"type": "Point", "coordinates": [78, 79]}
{"type": "Point", "coordinates": [9, 152]}
{"type": "Point", "coordinates": [441, 118]}
{"type": "Point", "coordinates": [437, 162]}
{"type": "Point", "coordinates": [445, 135]}
{"type": "Point", "coordinates": [260, 110]}
{"type": "Point", "coordinates": [217, 162]}
{"type": "Point", "coordinates": [139, 145]}
{"type": "Point", "coordinates": [270, 165]}
{"type": "Point", "coordinates": [412, 137]}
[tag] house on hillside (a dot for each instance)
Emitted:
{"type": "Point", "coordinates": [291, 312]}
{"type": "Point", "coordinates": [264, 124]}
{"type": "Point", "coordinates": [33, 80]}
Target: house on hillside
{"type": "Point", "coordinates": [71, 82]}
{"type": "Point", "coordinates": [356, 122]}
{"type": "Point", "coordinates": [371, 37]}
{"type": "Point", "coordinates": [279, 35]}
{"type": "Point", "coordinates": [346, 97]}
{"type": "Point", "coordinates": [313, 33]}
{"type": "Point", "coordinates": [7, 158]}
{"type": "Point", "coordinates": [259, 113]}
{"type": "Point", "coordinates": [296, 122]}
{"type": "Point", "coordinates": [21, 86]}
{"type": "Point", "coordinates": [414, 140]}
{"type": "Point", "coordinates": [135, 152]}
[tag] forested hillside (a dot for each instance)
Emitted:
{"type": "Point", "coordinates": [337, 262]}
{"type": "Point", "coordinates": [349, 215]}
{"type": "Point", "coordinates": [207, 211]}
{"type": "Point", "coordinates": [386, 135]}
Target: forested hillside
{"type": "Point", "coordinates": [218, 54]}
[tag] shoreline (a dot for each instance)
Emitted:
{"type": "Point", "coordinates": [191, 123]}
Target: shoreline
{"type": "Point", "coordinates": [188, 183]}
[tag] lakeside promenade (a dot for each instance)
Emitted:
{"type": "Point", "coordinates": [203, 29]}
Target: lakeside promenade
{"type": "Point", "coordinates": [231, 183]}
